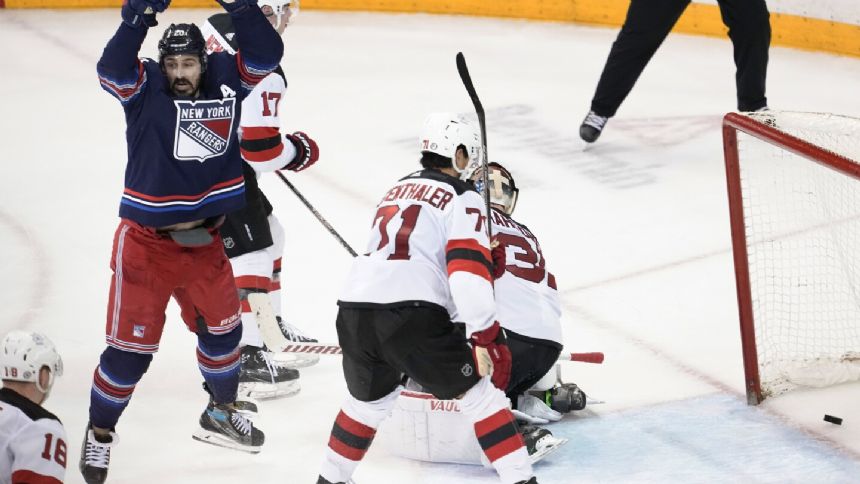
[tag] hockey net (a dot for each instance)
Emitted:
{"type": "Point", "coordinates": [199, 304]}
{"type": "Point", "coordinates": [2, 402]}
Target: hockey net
{"type": "Point", "coordinates": [794, 197]}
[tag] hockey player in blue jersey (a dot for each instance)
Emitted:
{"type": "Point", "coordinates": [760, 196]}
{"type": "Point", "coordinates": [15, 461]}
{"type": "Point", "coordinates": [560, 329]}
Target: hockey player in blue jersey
{"type": "Point", "coordinates": [183, 173]}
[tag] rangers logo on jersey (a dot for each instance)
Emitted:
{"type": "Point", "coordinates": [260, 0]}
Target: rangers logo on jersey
{"type": "Point", "coordinates": [203, 128]}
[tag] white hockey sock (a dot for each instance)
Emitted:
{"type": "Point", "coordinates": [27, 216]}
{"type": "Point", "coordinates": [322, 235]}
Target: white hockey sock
{"type": "Point", "coordinates": [488, 409]}
{"type": "Point", "coordinates": [250, 331]}
{"type": "Point", "coordinates": [275, 290]}
{"type": "Point", "coordinates": [352, 433]}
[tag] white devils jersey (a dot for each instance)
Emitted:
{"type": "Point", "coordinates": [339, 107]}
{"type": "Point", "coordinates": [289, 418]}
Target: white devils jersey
{"type": "Point", "coordinates": [261, 143]}
{"type": "Point", "coordinates": [215, 40]}
{"type": "Point", "coordinates": [428, 244]}
{"type": "Point", "coordinates": [526, 295]}
{"type": "Point", "coordinates": [32, 442]}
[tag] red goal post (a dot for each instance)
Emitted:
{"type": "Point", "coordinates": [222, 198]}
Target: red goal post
{"type": "Point", "coordinates": [791, 180]}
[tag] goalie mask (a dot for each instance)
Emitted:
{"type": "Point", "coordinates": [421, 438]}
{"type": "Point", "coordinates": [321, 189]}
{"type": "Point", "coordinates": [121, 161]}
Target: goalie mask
{"type": "Point", "coordinates": [24, 353]}
{"type": "Point", "coordinates": [443, 133]}
{"type": "Point", "coordinates": [503, 190]}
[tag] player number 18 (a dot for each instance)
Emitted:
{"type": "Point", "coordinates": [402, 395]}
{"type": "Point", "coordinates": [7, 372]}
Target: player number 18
{"type": "Point", "coordinates": [59, 450]}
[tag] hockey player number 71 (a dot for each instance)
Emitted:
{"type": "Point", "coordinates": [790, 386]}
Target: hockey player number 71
{"type": "Point", "coordinates": [401, 240]}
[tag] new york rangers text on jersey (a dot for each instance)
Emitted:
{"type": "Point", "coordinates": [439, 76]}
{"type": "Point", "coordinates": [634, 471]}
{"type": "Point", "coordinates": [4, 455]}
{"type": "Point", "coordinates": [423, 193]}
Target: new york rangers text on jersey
{"type": "Point", "coordinates": [183, 154]}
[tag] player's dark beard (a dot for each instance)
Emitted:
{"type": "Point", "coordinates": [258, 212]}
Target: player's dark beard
{"type": "Point", "coordinates": [183, 83]}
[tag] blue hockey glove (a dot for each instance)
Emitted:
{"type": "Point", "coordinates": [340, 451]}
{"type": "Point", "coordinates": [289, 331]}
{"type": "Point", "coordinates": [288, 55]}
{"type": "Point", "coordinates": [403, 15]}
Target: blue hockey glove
{"type": "Point", "coordinates": [233, 6]}
{"type": "Point", "coordinates": [141, 13]}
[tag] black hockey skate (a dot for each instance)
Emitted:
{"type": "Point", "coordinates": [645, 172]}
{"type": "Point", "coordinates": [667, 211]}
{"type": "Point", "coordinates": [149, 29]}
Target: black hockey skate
{"type": "Point", "coordinates": [250, 408]}
{"type": "Point", "coordinates": [592, 126]}
{"type": "Point", "coordinates": [260, 377]}
{"type": "Point", "coordinates": [323, 480]}
{"type": "Point", "coordinates": [95, 456]}
{"type": "Point", "coordinates": [764, 115]}
{"type": "Point", "coordinates": [294, 360]}
{"type": "Point", "coordinates": [539, 442]}
{"type": "Point", "coordinates": [223, 425]}
{"type": "Point", "coordinates": [533, 480]}
{"type": "Point", "coordinates": [293, 333]}
{"type": "Point", "coordinates": [563, 398]}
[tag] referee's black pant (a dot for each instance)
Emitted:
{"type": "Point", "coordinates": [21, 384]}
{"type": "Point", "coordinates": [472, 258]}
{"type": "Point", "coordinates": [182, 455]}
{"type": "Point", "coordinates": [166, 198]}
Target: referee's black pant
{"type": "Point", "coordinates": [648, 23]}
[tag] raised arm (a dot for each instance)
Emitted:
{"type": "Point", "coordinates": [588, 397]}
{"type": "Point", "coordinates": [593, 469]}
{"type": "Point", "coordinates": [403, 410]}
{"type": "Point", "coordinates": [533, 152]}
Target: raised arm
{"type": "Point", "coordinates": [120, 71]}
{"type": "Point", "coordinates": [260, 46]}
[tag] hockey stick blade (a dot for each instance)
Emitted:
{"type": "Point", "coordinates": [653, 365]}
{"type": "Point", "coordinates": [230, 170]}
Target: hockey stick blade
{"type": "Point", "coordinates": [594, 357]}
{"type": "Point", "coordinates": [314, 348]}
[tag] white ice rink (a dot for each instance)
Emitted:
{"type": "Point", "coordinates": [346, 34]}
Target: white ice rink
{"type": "Point", "coordinates": [635, 228]}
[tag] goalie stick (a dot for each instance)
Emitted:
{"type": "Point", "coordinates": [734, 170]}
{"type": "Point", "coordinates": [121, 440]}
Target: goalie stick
{"type": "Point", "coordinates": [593, 357]}
{"type": "Point", "coordinates": [479, 110]}
{"type": "Point", "coordinates": [334, 349]}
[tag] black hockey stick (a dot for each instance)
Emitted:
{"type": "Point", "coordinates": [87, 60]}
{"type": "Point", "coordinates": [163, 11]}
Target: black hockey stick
{"type": "Point", "coordinates": [319, 217]}
{"type": "Point", "coordinates": [479, 109]}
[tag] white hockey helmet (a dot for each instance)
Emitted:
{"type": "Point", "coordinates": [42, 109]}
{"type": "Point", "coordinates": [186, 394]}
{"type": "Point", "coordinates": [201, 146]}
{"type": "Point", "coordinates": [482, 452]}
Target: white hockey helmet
{"type": "Point", "coordinates": [279, 7]}
{"type": "Point", "coordinates": [503, 189]}
{"type": "Point", "coordinates": [24, 353]}
{"type": "Point", "coordinates": [443, 133]}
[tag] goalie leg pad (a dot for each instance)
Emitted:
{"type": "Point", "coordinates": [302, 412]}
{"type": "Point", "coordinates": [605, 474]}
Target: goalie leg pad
{"type": "Point", "coordinates": [425, 428]}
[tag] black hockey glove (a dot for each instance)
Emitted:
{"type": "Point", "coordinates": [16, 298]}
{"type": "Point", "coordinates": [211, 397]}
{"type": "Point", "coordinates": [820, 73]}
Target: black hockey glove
{"type": "Point", "coordinates": [234, 6]}
{"type": "Point", "coordinates": [141, 13]}
{"type": "Point", "coordinates": [307, 151]}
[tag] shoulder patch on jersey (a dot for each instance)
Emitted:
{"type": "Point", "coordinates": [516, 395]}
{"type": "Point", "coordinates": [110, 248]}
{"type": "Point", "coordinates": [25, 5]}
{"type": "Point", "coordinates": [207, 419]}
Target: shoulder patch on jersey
{"type": "Point", "coordinates": [457, 184]}
{"type": "Point", "coordinates": [30, 409]}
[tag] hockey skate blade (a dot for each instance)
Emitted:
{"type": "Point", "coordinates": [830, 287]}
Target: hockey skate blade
{"type": "Point", "coordinates": [269, 391]}
{"type": "Point", "coordinates": [207, 437]}
{"type": "Point", "coordinates": [294, 361]}
{"type": "Point", "coordinates": [545, 446]}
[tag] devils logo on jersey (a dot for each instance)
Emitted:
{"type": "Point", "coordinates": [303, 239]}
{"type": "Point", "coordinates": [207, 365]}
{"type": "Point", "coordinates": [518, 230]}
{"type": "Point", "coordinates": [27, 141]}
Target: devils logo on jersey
{"type": "Point", "coordinates": [203, 128]}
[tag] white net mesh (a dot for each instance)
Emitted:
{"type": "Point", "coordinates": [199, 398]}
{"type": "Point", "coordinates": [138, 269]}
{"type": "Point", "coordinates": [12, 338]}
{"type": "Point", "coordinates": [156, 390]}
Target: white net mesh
{"type": "Point", "coordinates": [802, 222]}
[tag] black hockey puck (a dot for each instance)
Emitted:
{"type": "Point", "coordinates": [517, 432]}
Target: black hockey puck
{"type": "Point", "coordinates": [832, 419]}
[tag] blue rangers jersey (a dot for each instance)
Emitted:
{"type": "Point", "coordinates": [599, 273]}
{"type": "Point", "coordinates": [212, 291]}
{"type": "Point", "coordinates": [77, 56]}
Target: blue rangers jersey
{"type": "Point", "coordinates": [183, 154]}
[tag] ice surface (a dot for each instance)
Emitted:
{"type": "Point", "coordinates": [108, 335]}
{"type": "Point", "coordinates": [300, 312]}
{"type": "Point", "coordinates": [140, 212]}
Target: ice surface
{"type": "Point", "coordinates": [635, 229]}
